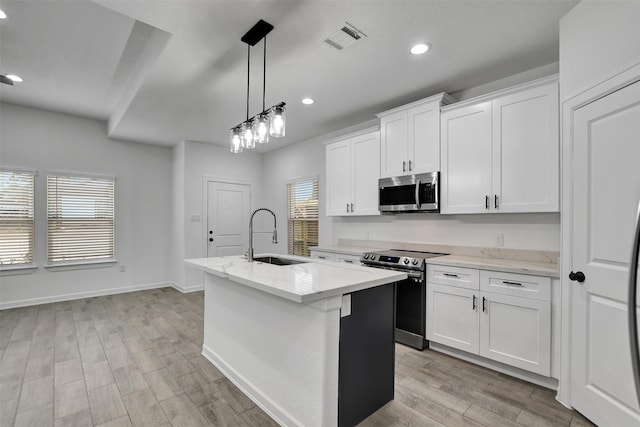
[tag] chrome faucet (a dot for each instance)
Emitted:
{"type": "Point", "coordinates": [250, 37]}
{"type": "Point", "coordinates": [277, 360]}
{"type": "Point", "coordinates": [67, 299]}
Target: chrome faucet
{"type": "Point", "coordinates": [274, 240]}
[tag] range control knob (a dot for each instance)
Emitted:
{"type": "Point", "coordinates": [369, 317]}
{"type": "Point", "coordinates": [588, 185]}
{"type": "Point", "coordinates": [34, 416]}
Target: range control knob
{"type": "Point", "coordinates": [415, 261]}
{"type": "Point", "coordinates": [406, 261]}
{"type": "Point", "coordinates": [365, 256]}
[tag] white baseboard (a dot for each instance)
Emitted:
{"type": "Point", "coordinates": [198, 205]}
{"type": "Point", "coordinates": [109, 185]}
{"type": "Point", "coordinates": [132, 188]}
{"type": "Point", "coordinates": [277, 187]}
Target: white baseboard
{"type": "Point", "coordinates": [547, 382]}
{"type": "Point", "coordinates": [81, 295]}
{"type": "Point", "coordinates": [186, 289]}
{"type": "Point", "coordinates": [275, 411]}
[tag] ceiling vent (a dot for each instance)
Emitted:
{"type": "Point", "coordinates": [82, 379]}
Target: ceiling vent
{"type": "Point", "coordinates": [344, 36]}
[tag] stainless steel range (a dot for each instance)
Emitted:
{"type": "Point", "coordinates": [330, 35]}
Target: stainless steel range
{"type": "Point", "coordinates": [411, 293]}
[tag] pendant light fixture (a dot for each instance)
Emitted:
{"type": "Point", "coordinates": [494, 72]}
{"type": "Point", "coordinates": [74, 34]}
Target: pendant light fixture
{"type": "Point", "coordinates": [270, 121]}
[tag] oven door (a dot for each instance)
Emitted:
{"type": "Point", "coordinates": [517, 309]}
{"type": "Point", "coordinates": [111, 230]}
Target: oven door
{"type": "Point", "coordinates": [411, 302]}
{"type": "Point", "coordinates": [410, 311]}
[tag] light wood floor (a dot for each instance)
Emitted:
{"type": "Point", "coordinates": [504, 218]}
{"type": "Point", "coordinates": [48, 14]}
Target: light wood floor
{"type": "Point", "coordinates": [134, 359]}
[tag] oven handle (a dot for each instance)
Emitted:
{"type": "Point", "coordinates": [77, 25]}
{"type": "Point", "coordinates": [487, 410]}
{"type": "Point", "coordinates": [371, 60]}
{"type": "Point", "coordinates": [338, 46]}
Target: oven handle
{"type": "Point", "coordinates": [411, 274]}
{"type": "Point", "coordinates": [418, 194]}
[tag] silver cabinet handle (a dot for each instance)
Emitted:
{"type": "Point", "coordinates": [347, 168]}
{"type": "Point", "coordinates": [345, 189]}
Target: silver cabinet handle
{"type": "Point", "coordinates": [631, 305]}
{"type": "Point", "coordinates": [404, 166]}
{"type": "Point", "coordinates": [450, 275]}
{"type": "Point", "coordinates": [511, 283]}
{"type": "Point", "coordinates": [495, 201]}
{"type": "Point", "coordinates": [484, 304]}
{"type": "Point", "coordinates": [348, 261]}
{"type": "Point", "coordinates": [322, 257]}
{"type": "Point", "coordinates": [409, 165]}
{"type": "Point", "coordinates": [486, 202]}
{"type": "Point", "coordinates": [474, 302]}
{"type": "Point", "coordinates": [417, 190]}
{"type": "Point", "coordinates": [351, 207]}
{"type": "Point", "coordinates": [347, 207]}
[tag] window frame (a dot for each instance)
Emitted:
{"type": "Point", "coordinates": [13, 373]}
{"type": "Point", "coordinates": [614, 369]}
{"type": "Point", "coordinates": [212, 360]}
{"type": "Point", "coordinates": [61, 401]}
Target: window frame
{"type": "Point", "coordinates": [30, 266]}
{"type": "Point", "coordinates": [307, 243]}
{"type": "Point", "coordinates": [106, 261]}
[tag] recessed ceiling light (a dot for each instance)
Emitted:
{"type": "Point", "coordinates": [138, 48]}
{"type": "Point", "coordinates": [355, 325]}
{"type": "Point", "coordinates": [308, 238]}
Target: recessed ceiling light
{"type": "Point", "coordinates": [420, 48]}
{"type": "Point", "coordinates": [2, 14]}
{"type": "Point", "coordinates": [15, 78]}
{"type": "Point", "coordinates": [307, 101]}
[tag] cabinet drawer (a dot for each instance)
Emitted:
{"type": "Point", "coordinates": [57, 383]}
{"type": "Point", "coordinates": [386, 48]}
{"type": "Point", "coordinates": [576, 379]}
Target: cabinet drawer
{"type": "Point", "coordinates": [348, 259]}
{"type": "Point", "coordinates": [327, 256]}
{"type": "Point", "coordinates": [453, 276]}
{"type": "Point", "coordinates": [520, 285]}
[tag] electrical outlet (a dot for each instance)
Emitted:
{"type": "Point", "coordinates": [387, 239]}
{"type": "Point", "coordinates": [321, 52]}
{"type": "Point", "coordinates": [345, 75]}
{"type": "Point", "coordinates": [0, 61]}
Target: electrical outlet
{"type": "Point", "coordinates": [123, 268]}
{"type": "Point", "coordinates": [499, 239]}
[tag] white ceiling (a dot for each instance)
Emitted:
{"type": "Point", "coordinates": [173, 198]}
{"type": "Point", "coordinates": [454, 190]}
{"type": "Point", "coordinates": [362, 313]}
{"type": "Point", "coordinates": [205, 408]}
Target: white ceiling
{"type": "Point", "coordinates": [165, 71]}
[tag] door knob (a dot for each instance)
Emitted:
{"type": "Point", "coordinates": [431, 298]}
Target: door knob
{"type": "Point", "coordinates": [577, 277]}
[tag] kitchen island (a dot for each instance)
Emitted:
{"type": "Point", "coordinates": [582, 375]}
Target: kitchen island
{"type": "Point", "coordinates": [310, 343]}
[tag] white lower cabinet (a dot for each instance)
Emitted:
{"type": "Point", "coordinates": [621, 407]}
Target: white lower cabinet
{"type": "Point", "coordinates": [336, 257]}
{"type": "Point", "coordinates": [327, 256]}
{"type": "Point", "coordinates": [451, 317]}
{"type": "Point", "coordinates": [502, 316]}
{"type": "Point", "coordinates": [348, 259]}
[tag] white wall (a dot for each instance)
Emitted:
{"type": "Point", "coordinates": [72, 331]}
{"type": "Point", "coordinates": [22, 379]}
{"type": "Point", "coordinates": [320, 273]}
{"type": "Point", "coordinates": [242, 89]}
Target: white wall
{"type": "Point", "coordinates": [285, 165]}
{"type": "Point", "coordinates": [597, 39]}
{"type": "Point", "coordinates": [46, 141]}
{"type": "Point", "coordinates": [520, 231]}
{"type": "Point", "coordinates": [196, 160]}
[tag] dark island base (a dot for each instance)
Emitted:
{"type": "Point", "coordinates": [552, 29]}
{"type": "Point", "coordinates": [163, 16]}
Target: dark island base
{"type": "Point", "coordinates": [367, 355]}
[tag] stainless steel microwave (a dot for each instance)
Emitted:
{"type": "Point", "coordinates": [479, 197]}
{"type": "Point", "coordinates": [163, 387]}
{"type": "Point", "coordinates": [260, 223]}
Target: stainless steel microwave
{"type": "Point", "coordinates": [409, 193]}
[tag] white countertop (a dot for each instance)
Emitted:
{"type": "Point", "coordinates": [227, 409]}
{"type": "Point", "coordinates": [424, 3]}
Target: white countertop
{"type": "Point", "coordinates": [495, 264]}
{"type": "Point", "coordinates": [346, 250]}
{"type": "Point", "coordinates": [519, 266]}
{"type": "Point", "coordinates": [311, 281]}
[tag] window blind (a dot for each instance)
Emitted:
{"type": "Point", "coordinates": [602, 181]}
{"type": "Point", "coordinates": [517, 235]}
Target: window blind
{"type": "Point", "coordinates": [16, 217]}
{"type": "Point", "coordinates": [302, 222]}
{"type": "Point", "coordinates": [80, 218]}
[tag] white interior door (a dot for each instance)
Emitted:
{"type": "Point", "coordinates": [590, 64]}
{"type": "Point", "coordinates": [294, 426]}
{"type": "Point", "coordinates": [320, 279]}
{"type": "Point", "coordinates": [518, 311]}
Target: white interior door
{"type": "Point", "coordinates": [228, 207]}
{"type": "Point", "coordinates": [606, 189]}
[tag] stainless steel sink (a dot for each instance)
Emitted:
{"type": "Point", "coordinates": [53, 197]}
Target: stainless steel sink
{"type": "Point", "coordinates": [277, 260]}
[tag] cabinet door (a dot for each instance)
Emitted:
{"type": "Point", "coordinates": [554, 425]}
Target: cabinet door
{"type": "Point", "coordinates": [393, 145]}
{"type": "Point", "coordinates": [424, 138]}
{"type": "Point", "coordinates": [526, 151]}
{"type": "Point", "coordinates": [452, 317]}
{"type": "Point", "coordinates": [338, 177]}
{"type": "Point", "coordinates": [365, 156]}
{"type": "Point", "coordinates": [466, 159]}
{"type": "Point", "coordinates": [516, 331]}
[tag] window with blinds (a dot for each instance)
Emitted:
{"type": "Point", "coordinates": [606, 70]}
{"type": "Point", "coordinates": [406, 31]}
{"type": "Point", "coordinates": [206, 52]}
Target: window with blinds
{"type": "Point", "coordinates": [80, 218]}
{"type": "Point", "coordinates": [302, 222]}
{"type": "Point", "coordinates": [16, 217]}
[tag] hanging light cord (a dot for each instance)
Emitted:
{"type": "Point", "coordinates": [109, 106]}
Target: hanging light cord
{"type": "Point", "coordinates": [264, 71]}
{"type": "Point", "coordinates": [248, 75]}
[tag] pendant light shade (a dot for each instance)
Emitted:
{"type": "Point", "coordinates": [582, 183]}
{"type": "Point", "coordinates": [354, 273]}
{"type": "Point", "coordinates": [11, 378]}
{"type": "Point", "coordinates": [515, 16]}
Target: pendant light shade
{"type": "Point", "coordinates": [277, 128]}
{"type": "Point", "coordinates": [247, 135]}
{"type": "Point", "coordinates": [271, 121]}
{"type": "Point", "coordinates": [236, 140]}
{"type": "Point", "coordinates": [261, 128]}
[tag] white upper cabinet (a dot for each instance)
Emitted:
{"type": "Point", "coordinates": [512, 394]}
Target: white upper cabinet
{"type": "Point", "coordinates": [410, 137]}
{"type": "Point", "coordinates": [352, 175]}
{"type": "Point", "coordinates": [466, 159]}
{"type": "Point", "coordinates": [500, 152]}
